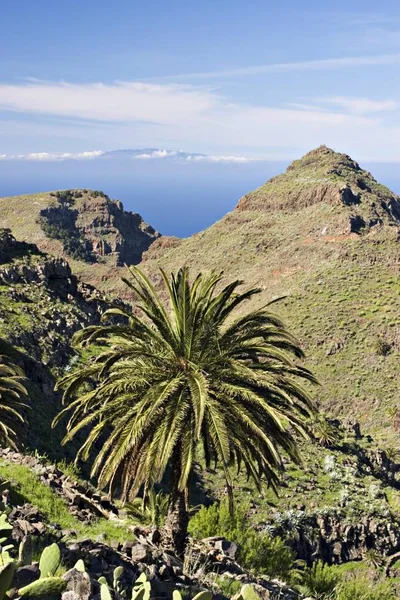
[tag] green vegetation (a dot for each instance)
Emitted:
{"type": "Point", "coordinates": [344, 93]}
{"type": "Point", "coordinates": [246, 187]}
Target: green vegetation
{"type": "Point", "coordinates": [322, 582]}
{"type": "Point", "coordinates": [258, 552]}
{"type": "Point", "coordinates": [26, 487]}
{"type": "Point", "coordinates": [12, 394]}
{"type": "Point", "coordinates": [340, 290]}
{"type": "Point", "coordinates": [150, 510]}
{"type": "Point", "coordinates": [58, 222]}
{"type": "Point", "coordinates": [166, 383]}
{"type": "Point", "coordinates": [175, 401]}
{"type": "Point", "coordinates": [49, 585]}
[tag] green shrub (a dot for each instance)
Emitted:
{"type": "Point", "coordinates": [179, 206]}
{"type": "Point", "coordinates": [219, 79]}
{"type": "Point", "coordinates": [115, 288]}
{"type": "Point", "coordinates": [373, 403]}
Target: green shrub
{"type": "Point", "coordinates": [151, 510]}
{"type": "Point", "coordinates": [365, 589]}
{"type": "Point", "coordinates": [257, 551]}
{"type": "Point", "coordinates": [320, 581]}
{"type": "Point", "coordinates": [228, 587]}
{"type": "Point", "coordinates": [59, 222]}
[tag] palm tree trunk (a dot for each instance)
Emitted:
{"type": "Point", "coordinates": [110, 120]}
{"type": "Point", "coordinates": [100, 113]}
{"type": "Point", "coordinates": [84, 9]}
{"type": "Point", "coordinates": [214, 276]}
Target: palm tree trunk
{"type": "Point", "coordinates": [176, 523]}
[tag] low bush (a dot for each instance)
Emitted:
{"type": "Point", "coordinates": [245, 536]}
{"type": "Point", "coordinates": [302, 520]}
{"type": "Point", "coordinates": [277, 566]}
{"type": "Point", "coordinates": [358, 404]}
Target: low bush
{"type": "Point", "coordinates": [365, 589]}
{"type": "Point", "coordinates": [382, 347]}
{"type": "Point", "coordinates": [320, 581]}
{"type": "Point", "coordinates": [257, 551]}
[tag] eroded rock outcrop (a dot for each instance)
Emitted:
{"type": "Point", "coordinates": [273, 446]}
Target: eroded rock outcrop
{"type": "Point", "coordinates": [325, 176]}
{"type": "Point", "coordinates": [91, 226]}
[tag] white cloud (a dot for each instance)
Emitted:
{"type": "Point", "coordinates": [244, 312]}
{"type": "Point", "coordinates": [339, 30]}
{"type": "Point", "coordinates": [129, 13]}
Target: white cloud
{"type": "Point", "coordinates": [361, 106]}
{"type": "Point", "coordinates": [306, 65]}
{"type": "Point", "coordinates": [120, 101]}
{"type": "Point", "coordinates": [220, 159]}
{"type": "Point", "coordinates": [198, 118]}
{"type": "Point", "coordinates": [156, 154]}
{"type": "Point", "coordinates": [151, 154]}
{"type": "Point", "coordinates": [53, 156]}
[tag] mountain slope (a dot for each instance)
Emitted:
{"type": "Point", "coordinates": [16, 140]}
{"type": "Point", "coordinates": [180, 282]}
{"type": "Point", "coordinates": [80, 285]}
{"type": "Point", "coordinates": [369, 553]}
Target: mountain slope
{"type": "Point", "coordinates": [326, 235]}
{"type": "Point", "coordinates": [94, 233]}
{"type": "Point", "coordinates": [41, 305]}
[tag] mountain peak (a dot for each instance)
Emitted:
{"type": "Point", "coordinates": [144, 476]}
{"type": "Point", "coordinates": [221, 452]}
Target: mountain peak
{"type": "Point", "coordinates": [324, 159]}
{"type": "Point", "coordinates": [324, 176]}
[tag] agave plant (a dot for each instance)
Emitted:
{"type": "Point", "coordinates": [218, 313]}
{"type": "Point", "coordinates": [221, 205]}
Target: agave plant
{"type": "Point", "coordinates": [324, 432]}
{"type": "Point", "coordinates": [186, 374]}
{"type": "Point", "coordinates": [12, 394]}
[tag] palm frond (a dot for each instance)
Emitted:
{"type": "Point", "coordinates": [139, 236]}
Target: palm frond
{"type": "Point", "coordinates": [187, 371]}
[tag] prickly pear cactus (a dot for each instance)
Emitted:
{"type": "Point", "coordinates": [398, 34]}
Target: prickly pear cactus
{"type": "Point", "coordinates": [118, 572]}
{"type": "Point", "coordinates": [117, 584]}
{"type": "Point", "coordinates": [105, 593]}
{"type": "Point", "coordinates": [25, 552]}
{"type": "Point", "coordinates": [80, 566]}
{"type": "Point", "coordinates": [46, 586]}
{"type": "Point", "coordinates": [49, 561]}
{"type": "Point", "coordinates": [5, 528]}
{"type": "Point", "coordinates": [203, 596]}
{"type": "Point", "coordinates": [6, 577]}
{"type": "Point", "coordinates": [141, 589]}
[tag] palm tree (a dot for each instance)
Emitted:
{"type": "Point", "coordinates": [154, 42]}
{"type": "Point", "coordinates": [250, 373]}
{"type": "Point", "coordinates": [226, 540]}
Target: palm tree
{"type": "Point", "coordinates": [12, 394]}
{"type": "Point", "coordinates": [169, 381]}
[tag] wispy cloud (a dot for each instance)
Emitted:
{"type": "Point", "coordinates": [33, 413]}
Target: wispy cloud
{"type": "Point", "coordinates": [151, 154]}
{"type": "Point", "coordinates": [347, 104]}
{"type": "Point", "coordinates": [169, 116]}
{"type": "Point", "coordinates": [362, 106]}
{"type": "Point", "coordinates": [221, 159]}
{"type": "Point", "coordinates": [119, 101]}
{"type": "Point", "coordinates": [53, 156]}
{"type": "Point", "coordinates": [306, 65]}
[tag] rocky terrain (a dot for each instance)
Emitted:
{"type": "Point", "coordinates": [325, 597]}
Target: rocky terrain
{"type": "Point", "coordinates": [41, 305]}
{"type": "Point", "coordinates": [134, 549]}
{"type": "Point", "coordinates": [94, 233]}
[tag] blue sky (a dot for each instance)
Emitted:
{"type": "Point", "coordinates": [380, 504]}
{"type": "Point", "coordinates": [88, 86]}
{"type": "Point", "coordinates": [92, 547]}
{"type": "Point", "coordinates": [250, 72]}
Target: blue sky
{"type": "Point", "coordinates": [254, 79]}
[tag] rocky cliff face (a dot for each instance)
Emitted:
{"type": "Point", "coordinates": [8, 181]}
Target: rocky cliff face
{"type": "Point", "coordinates": [92, 232]}
{"type": "Point", "coordinates": [92, 226]}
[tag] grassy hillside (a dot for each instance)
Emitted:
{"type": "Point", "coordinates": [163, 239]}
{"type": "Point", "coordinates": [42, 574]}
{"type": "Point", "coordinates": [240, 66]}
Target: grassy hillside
{"type": "Point", "coordinates": [326, 235]}
{"type": "Point", "coordinates": [323, 240]}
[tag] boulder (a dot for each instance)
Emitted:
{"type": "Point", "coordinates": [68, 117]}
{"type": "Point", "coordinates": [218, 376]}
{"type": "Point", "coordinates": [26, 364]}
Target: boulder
{"type": "Point", "coordinates": [26, 575]}
{"type": "Point", "coordinates": [79, 583]}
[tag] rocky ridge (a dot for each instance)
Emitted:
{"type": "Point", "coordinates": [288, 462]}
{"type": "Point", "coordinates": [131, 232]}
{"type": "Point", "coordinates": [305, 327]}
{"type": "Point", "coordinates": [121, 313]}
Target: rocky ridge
{"type": "Point", "coordinates": [101, 226]}
{"type": "Point", "coordinates": [42, 304]}
{"type": "Point", "coordinates": [336, 179]}
{"type": "Point", "coordinates": [93, 232]}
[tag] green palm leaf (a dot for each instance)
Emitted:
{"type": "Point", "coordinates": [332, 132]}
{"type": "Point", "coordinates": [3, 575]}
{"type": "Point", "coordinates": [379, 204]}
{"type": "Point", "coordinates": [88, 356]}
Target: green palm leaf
{"type": "Point", "coordinates": [186, 372]}
{"type": "Point", "coordinates": [12, 395]}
